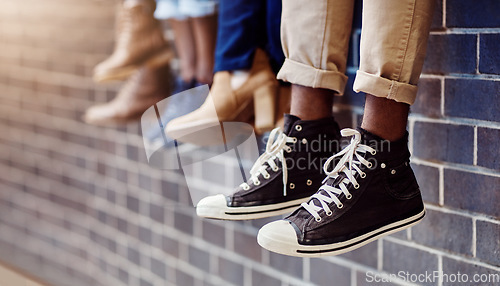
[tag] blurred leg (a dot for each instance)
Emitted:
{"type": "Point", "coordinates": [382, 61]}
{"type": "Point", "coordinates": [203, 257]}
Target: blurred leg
{"type": "Point", "coordinates": [185, 47]}
{"type": "Point", "coordinates": [240, 31]}
{"type": "Point", "coordinates": [204, 30]}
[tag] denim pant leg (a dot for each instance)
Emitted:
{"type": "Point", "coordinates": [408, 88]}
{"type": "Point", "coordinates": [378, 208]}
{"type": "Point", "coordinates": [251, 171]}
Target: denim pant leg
{"type": "Point", "coordinates": [245, 25]}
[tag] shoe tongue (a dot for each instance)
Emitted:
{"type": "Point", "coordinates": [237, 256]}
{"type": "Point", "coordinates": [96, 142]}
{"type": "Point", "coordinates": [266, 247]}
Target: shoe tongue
{"type": "Point", "coordinates": [289, 121]}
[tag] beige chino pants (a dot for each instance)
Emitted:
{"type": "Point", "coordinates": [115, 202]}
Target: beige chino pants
{"type": "Point", "coordinates": [315, 37]}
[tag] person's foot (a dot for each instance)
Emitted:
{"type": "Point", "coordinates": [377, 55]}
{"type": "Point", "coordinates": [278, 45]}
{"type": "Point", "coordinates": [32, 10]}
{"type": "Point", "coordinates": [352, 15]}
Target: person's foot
{"type": "Point", "coordinates": [285, 176]}
{"type": "Point", "coordinates": [372, 192]}
{"type": "Point", "coordinates": [139, 41]}
{"type": "Point", "coordinates": [142, 90]}
{"type": "Point", "coordinates": [260, 90]}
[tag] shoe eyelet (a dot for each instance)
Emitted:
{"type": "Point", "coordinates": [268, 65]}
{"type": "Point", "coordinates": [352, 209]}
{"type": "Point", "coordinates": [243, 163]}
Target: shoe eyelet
{"type": "Point", "coordinates": [374, 152]}
{"type": "Point", "coordinates": [318, 219]}
{"type": "Point", "coordinates": [289, 149]}
{"type": "Point", "coordinates": [340, 206]}
{"type": "Point", "coordinates": [370, 164]}
{"type": "Point", "coordinates": [329, 213]}
{"type": "Point", "coordinates": [304, 141]}
{"type": "Point", "coordinates": [309, 182]}
{"type": "Point", "coordinates": [276, 169]}
{"type": "Point", "coordinates": [294, 140]}
{"type": "Point", "coordinates": [298, 127]}
{"type": "Point", "coordinates": [393, 171]}
{"type": "Point", "coordinates": [382, 166]}
{"type": "Point", "coordinates": [256, 183]}
{"type": "Point", "coordinates": [246, 188]}
{"type": "Point", "coordinates": [267, 176]}
{"type": "Point", "coordinates": [292, 186]}
{"type": "Point", "coordinates": [348, 197]}
{"type": "Point", "coordinates": [362, 175]}
{"type": "Point", "coordinates": [356, 186]}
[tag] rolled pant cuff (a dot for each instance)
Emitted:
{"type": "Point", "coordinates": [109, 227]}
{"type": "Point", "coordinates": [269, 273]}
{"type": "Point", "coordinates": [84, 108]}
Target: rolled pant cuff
{"type": "Point", "coordinates": [301, 74]}
{"type": "Point", "coordinates": [382, 87]}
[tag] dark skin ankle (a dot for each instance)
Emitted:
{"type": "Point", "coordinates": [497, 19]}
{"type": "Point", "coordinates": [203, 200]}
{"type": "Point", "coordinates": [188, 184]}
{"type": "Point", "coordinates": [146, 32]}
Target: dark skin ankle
{"type": "Point", "coordinates": [311, 103]}
{"type": "Point", "coordinates": [385, 117]}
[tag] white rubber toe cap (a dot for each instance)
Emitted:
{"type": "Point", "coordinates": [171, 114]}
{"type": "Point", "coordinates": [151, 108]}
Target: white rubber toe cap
{"type": "Point", "coordinates": [278, 236]}
{"type": "Point", "coordinates": [212, 206]}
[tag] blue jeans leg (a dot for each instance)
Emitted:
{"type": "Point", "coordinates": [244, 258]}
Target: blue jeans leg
{"type": "Point", "coordinates": [245, 25]}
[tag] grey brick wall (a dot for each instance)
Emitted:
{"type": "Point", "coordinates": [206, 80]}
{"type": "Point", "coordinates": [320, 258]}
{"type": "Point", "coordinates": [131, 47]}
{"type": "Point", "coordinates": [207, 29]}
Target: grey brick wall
{"type": "Point", "coordinates": [79, 205]}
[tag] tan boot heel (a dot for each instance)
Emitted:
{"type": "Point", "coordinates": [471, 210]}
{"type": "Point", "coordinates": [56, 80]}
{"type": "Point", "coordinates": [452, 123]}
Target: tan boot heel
{"type": "Point", "coordinates": [265, 107]}
{"type": "Point", "coordinates": [160, 59]}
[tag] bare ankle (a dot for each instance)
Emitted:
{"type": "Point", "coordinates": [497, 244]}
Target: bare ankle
{"type": "Point", "coordinates": [385, 117]}
{"type": "Point", "coordinates": [311, 103]}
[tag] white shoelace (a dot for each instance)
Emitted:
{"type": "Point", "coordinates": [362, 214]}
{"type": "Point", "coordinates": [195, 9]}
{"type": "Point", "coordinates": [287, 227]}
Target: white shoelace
{"type": "Point", "coordinates": [349, 164]}
{"type": "Point", "coordinates": [275, 146]}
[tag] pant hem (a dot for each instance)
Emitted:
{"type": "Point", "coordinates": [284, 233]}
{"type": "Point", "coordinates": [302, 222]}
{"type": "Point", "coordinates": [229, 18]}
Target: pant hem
{"type": "Point", "coordinates": [233, 64]}
{"type": "Point", "coordinates": [382, 87]}
{"type": "Point", "coordinates": [302, 74]}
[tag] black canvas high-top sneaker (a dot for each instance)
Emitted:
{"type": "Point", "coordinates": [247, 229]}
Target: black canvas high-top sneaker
{"type": "Point", "coordinates": [371, 192]}
{"type": "Point", "coordinates": [286, 175]}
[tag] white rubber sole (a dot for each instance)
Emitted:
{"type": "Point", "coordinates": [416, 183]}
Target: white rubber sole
{"type": "Point", "coordinates": [246, 213]}
{"type": "Point", "coordinates": [281, 238]}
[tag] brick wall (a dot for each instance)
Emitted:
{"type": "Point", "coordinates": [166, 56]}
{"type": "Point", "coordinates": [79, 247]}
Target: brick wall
{"type": "Point", "coordinates": [79, 205]}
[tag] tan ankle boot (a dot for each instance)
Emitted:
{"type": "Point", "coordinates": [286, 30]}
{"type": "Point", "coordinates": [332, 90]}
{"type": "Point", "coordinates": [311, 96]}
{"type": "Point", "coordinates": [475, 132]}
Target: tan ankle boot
{"type": "Point", "coordinates": [145, 88]}
{"type": "Point", "coordinates": [256, 98]}
{"type": "Point", "coordinates": [139, 41]}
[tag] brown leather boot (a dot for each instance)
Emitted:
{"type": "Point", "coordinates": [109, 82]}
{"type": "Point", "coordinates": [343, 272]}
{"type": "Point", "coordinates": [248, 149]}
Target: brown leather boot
{"type": "Point", "coordinates": [145, 88]}
{"type": "Point", "coordinates": [256, 98]}
{"type": "Point", "coordinates": [139, 41]}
